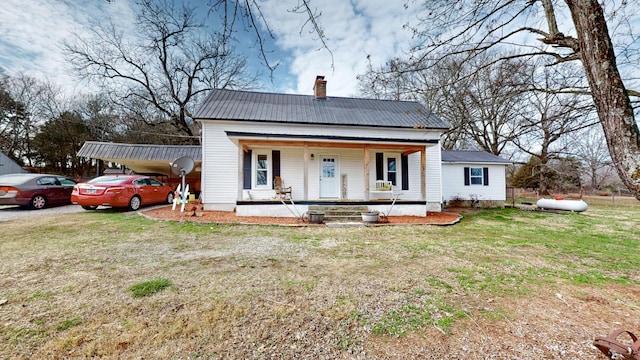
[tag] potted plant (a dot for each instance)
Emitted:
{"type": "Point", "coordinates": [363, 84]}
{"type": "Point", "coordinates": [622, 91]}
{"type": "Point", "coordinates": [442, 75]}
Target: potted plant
{"type": "Point", "coordinates": [370, 216]}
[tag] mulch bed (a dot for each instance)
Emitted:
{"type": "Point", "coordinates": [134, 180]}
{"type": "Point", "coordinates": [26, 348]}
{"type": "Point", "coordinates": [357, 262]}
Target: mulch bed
{"type": "Point", "coordinates": [191, 213]}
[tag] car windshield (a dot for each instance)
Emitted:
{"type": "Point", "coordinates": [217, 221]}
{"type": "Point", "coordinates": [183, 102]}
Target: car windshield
{"type": "Point", "coordinates": [108, 180]}
{"type": "Point", "coordinates": [15, 179]}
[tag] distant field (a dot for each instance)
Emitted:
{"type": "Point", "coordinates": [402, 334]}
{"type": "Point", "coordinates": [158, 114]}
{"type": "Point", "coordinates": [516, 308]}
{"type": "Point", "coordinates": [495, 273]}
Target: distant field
{"type": "Point", "coordinates": [612, 200]}
{"type": "Point", "coordinates": [501, 284]}
{"type": "Point", "coordinates": [595, 200]}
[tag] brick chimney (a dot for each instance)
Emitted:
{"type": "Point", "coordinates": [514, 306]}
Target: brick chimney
{"type": "Point", "coordinates": [320, 87]}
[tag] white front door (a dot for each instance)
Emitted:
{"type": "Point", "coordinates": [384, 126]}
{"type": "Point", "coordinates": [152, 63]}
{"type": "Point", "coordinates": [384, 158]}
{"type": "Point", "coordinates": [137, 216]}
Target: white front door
{"type": "Point", "coordinates": [329, 182]}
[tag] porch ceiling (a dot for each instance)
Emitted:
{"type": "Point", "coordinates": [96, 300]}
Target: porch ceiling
{"type": "Point", "coordinates": [249, 140]}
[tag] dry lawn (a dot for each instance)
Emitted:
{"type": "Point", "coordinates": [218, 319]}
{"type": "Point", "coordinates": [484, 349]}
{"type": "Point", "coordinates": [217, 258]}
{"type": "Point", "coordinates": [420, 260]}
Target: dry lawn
{"type": "Point", "coordinates": [496, 285]}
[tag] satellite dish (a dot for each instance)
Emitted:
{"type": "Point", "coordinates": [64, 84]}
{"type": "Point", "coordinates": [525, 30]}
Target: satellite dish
{"type": "Point", "coordinates": [182, 166]}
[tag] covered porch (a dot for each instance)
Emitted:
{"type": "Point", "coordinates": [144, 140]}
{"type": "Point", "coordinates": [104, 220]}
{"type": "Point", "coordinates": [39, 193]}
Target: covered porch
{"type": "Point", "coordinates": [386, 175]}
{"type": "Point", "coordinates": [292, 208]}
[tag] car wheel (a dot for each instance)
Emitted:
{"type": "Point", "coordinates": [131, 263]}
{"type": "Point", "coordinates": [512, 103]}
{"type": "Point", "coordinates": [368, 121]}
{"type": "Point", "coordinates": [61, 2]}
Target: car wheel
{"type": "Point", "coordinates": [89, 207]}
{"type": "Point", "coordinates": [170, 198]}
{"type": "Point", "coordinates": [38, 202]}
{"type": "Point", "coordinates": [134, 203]}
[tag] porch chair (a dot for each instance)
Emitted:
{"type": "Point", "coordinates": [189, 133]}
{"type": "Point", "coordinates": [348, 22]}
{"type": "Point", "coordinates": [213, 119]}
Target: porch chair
{"type": "Point", "coordinates": [383, 189]}
{"type": "Point", "coordinates": [383, 185]}
{"type": "Point", "coordinates": [281, 191]}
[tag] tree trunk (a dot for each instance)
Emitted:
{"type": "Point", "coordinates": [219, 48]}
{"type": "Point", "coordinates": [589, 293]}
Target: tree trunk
{"type": "Point", "coordinates": [609, 94]}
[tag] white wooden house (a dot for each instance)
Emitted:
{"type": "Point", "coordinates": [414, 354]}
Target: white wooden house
{"type": "Point", "coordinates": [327, 149]}
{"type": "Point", "coordinates": [473, 178]}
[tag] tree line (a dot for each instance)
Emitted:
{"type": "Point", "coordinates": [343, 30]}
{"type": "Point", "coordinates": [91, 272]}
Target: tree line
{"type": "Point", "coordinates": [557, 103]}
{"type": "Point", "coordinates": [150, 82]}
{"type": "Point", "coordinates": [563, 73]}
{"type": "Point", "coordinates": [521, 111]}
{"type": "Point", "coordinates": [42, 129]}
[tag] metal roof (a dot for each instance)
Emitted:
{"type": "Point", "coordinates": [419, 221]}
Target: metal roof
{"type": "Point", "coordinates": [306, 109]}
{"type": "Point", "coordinates": [471, 156]}
{"type": "Point", "coordinates": [105, 151]}
{"type": "Point", "coordinates": [142, 158]}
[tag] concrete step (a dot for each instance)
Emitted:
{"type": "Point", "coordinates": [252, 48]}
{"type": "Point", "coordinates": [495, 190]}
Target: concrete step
{"type": "Point", "coordinates": [340, 213]}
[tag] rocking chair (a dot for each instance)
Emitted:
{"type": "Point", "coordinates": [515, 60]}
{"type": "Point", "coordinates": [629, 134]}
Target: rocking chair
{"type": "Point", "coordinates": [281, 191]}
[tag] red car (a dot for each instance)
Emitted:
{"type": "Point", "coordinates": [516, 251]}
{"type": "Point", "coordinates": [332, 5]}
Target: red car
{"type": "Point", "coordinates": [35, 190]}
{"type": "Point", "coordinates": [130, 191]}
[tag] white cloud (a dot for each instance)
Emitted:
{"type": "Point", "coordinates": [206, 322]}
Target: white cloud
{"type": "Point", "coordinates": [33, 32]}
{"type": "Point", "coordinates": [355, 30]}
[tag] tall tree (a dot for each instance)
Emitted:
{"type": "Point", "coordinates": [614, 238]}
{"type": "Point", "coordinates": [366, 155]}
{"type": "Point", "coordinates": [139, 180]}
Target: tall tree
{"type": "Point", "coordinates": [589, 147]}
{"type": "Point", "coordinates": [101, 119]}
{"type": "Point", "coordinates": [450, 28]}
{"type": "Point", "coordinates": [162, 70]}
{"type": "Point", "coordinates": [482, 99]}
{"type": "Point", "coordinates": [13, 117]}
{"type": "Point", "coordinates": [487, 104]}
{"type": "Point", "coordinates": [553, 114]}
{"type": "Point", "coordinates": [41, 100]}
{"type": "Point", "coordinates": [58, 142]}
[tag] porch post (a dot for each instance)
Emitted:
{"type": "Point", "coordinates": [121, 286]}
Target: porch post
{"type": "Point", "coordinates": [366, 172]}
{"type": "Point", "coordinates": [306, 172]}
{"type": "Point", "coordinates": [240, 176]}
{"type": "Point", "coordinates": [423, 174]}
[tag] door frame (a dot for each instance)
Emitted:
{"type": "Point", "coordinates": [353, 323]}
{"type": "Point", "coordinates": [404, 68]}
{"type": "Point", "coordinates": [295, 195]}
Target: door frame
{"type": "Point", "coordinates": [337, 192]}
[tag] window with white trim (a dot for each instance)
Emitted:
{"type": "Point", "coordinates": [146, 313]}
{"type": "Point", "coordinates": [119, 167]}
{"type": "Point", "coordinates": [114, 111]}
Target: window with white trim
{"type": "Point", "coordinates": [475, 176]}
{"type": "Point", "coordinates": [389, 168]}
{"type": "Point", "coordinates": [392, 173]}
{"type": "Point", "coordinates": [262, 171]}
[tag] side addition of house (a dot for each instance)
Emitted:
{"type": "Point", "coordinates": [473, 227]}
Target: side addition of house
{"type": "Point", "coordinates": [262, 149]}
{"type": "Point", "coordinates": [473, 178]}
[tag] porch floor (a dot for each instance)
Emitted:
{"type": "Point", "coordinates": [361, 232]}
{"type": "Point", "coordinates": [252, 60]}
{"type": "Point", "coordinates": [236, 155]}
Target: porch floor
{"type": "Point", "coordinates": [327, 202]}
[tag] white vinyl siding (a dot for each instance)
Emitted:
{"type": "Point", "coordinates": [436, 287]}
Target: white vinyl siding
{"type": "Point", "coordinates": [415, 180]}
{"type": "Point", "coordinates": [453, 176]}
{"type": "Point", "coordinates": [434, 176]}
{"type": "Point", "coordinates": [219, 157]}
{"type": "Point", "coordinates": [222, 158]}
{"type": "Point", "coordinates": [291, 170]}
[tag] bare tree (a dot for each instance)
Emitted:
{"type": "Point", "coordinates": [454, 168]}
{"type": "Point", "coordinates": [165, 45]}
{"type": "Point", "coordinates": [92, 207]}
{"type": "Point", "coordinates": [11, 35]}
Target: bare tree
{"type": "Point", "coordinates": [248, 15]}
{"type": "Point", "coordinates": [101, 118]}
{"type": "Point", "coordinates": [58, 142]}
{"type": "Point", "coordinates": [553, 113]}
{"type": "Point", "coordinates": [590, 148]}
{"type": "Point", "coordinates": [481, 99]}
{"type": "Point", "coordinates": [161, 71]}
{"type": "Point", "coordinates": [35, 101]}
{"type": "Point", "coordinates": [13, 117]}
{"type": "Point", "coordinates": [451, 28]}
{"type": "Point", "coordinates": [387, 83]}
{"type": "Point", "coordinates": [488, 104]}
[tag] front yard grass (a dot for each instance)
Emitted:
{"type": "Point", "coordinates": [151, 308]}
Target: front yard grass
{"type": "Point", "coordinates": [507, 282]}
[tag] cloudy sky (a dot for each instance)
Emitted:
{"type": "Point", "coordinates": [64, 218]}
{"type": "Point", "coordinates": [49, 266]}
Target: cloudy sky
{"type": "Point", "coordinates": [31, 32]}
